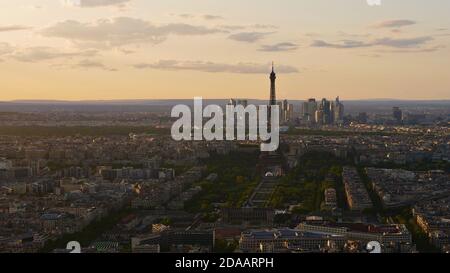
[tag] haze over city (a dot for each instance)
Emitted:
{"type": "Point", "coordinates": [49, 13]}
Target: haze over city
{"type": "Point", "coordinates": [136, 49]}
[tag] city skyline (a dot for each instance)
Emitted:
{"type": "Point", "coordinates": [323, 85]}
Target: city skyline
{"type": "Point", "coordinates": [236, 135]}
{"type": "Point", "coordinates": [134, 49]}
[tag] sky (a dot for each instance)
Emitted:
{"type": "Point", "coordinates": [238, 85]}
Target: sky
{"type": "Point", "coordinates": [180, 49]}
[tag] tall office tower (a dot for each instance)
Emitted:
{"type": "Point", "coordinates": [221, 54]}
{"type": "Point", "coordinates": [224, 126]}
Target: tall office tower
{"type": "Point", "coordinates": [285, 104]}
{"type": "Point", "coordinates": [397, 114]}
{"type": "Point", "coordinates": [326, 108]}
{"type": "Point", "coordinates": [319, 116]}
{"type": "Point", "coordinates": [338, 111]}
{"type": "Point", "coordinates": [284, 110]}
{"type": "Point", "coordinates": [290, 112]}
{"type": "Point", "coordinates": [309, 110]}
{"type": "Point", "coordinates": [332, 108]}
{"type": "Point", "coordinates": [305, 112]}
{"type": "Point", "coordinates": [281, 110]}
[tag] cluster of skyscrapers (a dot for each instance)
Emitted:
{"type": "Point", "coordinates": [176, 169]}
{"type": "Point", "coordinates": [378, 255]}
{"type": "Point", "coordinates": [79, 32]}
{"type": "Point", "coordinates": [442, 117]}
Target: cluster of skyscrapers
{"type": "Point", "coordinates": [286, 109]}
{"type": "Point", "coordinates": [314, 112]}
{"type": "Point", "coordinates": [323, 112]}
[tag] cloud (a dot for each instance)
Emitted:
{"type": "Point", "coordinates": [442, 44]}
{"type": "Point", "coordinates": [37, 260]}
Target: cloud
{"type": "Point", "coordinates": [414, 42]}
{"type": "Point", "coordinates": [352, 35]}
{"type": "Point", "coordinates": [394, 23]}
{"type": "Point", "coordinates": [212, 17]}
{"type": "Point", "coordinates": [40, 53]}
{"type": "Point", "coordinates": [47, 54]}
{"type": "Point", "coordinates": [279, 47]}
{"type": "Point", "coordinates": [6, 49]}
{"type": "Point", "coordinates": [341, 44]}
{"type": "Point", "coordinates": [241, 27]}
{"type": "Point", "coordinates": [88, 64]}
{"type": "Point", "coordinates": [262, 26]}
{"type": "Point", "coordinates": [312, 34]}
{"type": "Point", "coordinates": [208, 17]}
{"type": "Point", "coordinates": [37, 54]}
{"type": "Point", "coordinates": [413, 50]}
{"type": "Point", "coordinates": [232, 27]}
{"type": "Point", "coordinates": [122, 31]}
{"type": "Point", "coordinates": [403, 42]}
{"type": "Point", "coordinates": [127, 51]}
{"type": "Point", "coordinates": [13, 28]}
{"type": "Point", "coordinates": [94, 3]}
{"type": "Point", "coordinates": [249, 37]}
{"type": "Point", "coordinates": [186, 15]}
{"type": "Point", "coordinates": [33, 7]}
{"type": "Point", "coordinates": [372, 55]}
{"type": "Point", "coordinates": [211, 67]}
{"type": "Point", "coordinates": [442, 35]}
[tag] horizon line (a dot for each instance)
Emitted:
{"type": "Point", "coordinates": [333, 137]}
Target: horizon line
{"type": "Point", "coordinates": [178, 99]}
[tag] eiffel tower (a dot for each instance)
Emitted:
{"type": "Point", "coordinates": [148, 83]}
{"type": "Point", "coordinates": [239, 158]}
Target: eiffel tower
{"type": "Point", "coordinates": [271, 162]}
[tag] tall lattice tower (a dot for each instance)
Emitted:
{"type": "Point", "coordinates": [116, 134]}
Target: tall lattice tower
{"type": "Point", "coordinates": [273, 95]}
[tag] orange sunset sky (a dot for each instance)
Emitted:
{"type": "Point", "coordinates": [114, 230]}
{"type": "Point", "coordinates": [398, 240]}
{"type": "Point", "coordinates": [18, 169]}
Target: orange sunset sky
{"type": "Point", "coordinates": [147, 49]}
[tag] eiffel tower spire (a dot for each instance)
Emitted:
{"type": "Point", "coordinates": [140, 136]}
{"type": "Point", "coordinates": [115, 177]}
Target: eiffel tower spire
{"type": "Point", "coordinates": [273, 77]}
